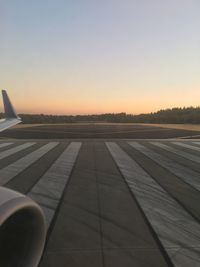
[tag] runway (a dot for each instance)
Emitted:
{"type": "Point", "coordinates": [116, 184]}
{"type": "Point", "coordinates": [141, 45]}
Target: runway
{"type": "Point", "coordinates": [111, 202]}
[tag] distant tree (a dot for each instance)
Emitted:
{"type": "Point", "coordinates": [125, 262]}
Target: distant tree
{"type": "Point", "coordinates": [174, 115]}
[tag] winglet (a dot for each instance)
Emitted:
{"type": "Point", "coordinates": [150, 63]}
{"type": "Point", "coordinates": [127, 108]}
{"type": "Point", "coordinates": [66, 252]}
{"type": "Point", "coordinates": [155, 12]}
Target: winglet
{"type": "Point", "coordinates": [8, 107]}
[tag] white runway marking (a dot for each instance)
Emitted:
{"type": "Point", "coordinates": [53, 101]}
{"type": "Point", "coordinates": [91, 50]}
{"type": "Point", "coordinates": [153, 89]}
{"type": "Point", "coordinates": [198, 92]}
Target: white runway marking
{"type": "Point", "coordinates": [48, 191]}
{"type": "Point", "coordinates": [15, 149]}
{"type": "Point", "coordinates": [178, 232]}
{"type": "Point", "coordinates": [189, 176]}
{"type": "Point", "coordinates": [187, 146]}
{"type": "Point", "coordinates": [5, 144]}
{"type": "Point", "coordinates": [10, 171]}
{"type": "Point", "coordinates": [177, 152]}
{"type": "Point", "coordinates": [197, 143]}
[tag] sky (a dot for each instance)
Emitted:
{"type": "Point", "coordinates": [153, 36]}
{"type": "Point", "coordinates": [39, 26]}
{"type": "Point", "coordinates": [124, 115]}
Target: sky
{"type": "Point", "coordinates": [98, 56]}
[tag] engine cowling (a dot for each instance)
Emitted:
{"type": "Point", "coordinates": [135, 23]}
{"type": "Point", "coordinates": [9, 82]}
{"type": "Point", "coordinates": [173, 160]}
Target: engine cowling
{"type": "Point", "coordinates": [22, 230]}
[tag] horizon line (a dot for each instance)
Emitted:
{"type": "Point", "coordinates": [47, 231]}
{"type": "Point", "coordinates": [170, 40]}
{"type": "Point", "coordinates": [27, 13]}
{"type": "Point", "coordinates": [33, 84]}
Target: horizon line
{"type": "Point", "coordinates": [98, 114]}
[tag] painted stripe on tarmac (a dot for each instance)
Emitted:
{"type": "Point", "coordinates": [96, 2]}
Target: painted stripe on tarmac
{"type": "Point", "coordinates": [5, 144]}
{"type": "Point", "coordinates": [15, 149]}
{"type": "Point", "coordinates": [177, 152]}
{"type": "Point", "coordinates": [178, 232]}
{"type": "Point", "coordinates": [48, 191]}
{"type": "Point", "coordinates": [10, 171]}
{"type": "Point", "coordinates": [186, 146]}
{"type": "Point", "coordinates": [189, 176]}
{"type": "Point", "coordinates": [197, 143]}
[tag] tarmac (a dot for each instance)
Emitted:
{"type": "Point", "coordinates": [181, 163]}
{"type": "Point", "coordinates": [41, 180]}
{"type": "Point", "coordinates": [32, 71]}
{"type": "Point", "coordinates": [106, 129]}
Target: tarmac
{"type": "Point", "coordinates": [111, 202]}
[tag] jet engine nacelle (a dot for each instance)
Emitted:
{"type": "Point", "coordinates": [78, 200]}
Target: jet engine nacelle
{"type": "Point", "coordinates": [22, 230]}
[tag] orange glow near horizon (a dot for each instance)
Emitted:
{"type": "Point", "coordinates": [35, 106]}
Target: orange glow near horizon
{"type": "Point", "coordinates": [52, 104]}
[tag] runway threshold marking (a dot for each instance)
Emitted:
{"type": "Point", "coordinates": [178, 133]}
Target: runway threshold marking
{"type": "Point", "coordinates": [15, 149]}
{"type": "Point", "coordinates": [5, 144]}
{"type": "Point", "coordinates": [189, 176]}
{"type": "Point", "coordinates": [48, 190]}
{"type": "Point", "coordinates": [181, 153]}
{"type": "Point", "coordinates": [10, 171]}
{"type": "Point", "coordinates": [178, 232]}
{"type": "Point", "coordinates": [187, 146]}
{"type": "Point", "coordinates": [197, 143]}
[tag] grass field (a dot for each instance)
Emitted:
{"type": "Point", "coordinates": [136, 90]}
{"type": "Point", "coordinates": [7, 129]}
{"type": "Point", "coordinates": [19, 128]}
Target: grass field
{"type": "Point", "coordinates": [188, 127]}
{"type": "Point", "coordinates": [101, 130]}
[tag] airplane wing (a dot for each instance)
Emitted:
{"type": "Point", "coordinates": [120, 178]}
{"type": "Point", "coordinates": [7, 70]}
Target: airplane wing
{"type": "Point", "coordinates": [11, 117]}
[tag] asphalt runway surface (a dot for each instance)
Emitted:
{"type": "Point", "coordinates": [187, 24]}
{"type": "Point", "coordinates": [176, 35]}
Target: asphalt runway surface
{"type": "Point", "coordinates": [95, 130]}
{"type": "Point", "coordinates": [130, 203]}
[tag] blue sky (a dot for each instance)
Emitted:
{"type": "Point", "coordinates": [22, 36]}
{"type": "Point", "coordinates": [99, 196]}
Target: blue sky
{"type": "Point", "coordinates": [94, 56]}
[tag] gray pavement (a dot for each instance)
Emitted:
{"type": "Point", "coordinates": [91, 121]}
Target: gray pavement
{"type": "Point", "coordinates": [115, 202]}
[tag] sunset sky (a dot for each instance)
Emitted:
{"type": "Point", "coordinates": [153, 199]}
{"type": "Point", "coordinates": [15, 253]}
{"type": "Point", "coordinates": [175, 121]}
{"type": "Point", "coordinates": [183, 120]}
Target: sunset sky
{"type": "Point", "coordinates": [97, 56]}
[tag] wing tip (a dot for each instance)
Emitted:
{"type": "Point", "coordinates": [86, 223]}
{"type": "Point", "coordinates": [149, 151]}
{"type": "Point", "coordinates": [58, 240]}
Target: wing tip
{"type": "Point", "coordinates": [8, 107]}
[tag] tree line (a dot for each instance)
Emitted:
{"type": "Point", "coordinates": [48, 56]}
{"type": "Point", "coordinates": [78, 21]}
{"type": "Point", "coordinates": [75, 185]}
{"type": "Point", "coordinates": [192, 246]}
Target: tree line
{"type": "Point", "coordinates": [174, 115]}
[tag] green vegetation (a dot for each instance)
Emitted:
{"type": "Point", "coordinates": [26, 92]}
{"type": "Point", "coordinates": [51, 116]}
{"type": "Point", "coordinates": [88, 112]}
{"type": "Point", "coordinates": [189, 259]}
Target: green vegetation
{"type": "Point", "coordinates": [174, 115]}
